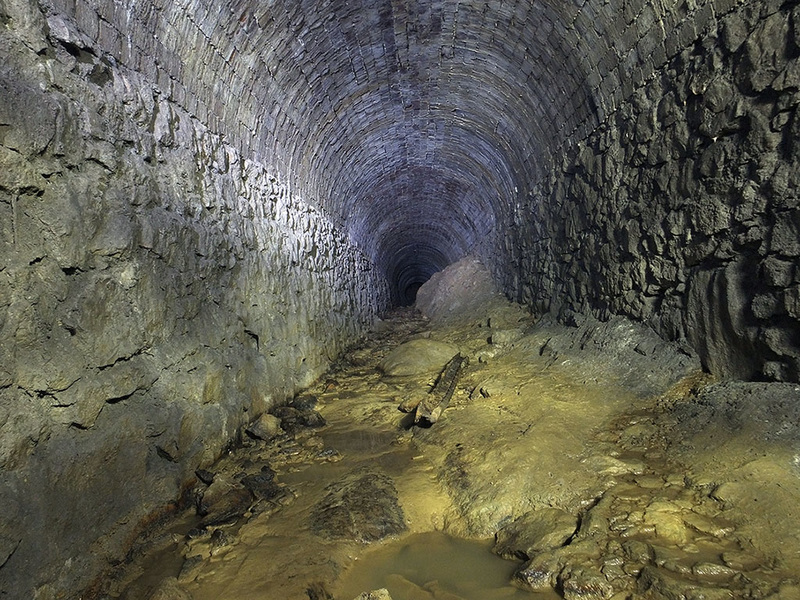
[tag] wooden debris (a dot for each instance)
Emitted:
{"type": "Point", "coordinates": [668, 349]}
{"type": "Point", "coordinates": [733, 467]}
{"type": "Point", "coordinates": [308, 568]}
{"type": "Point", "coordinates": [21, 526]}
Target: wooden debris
{"type": "Point", "coordinates": [433, 404]}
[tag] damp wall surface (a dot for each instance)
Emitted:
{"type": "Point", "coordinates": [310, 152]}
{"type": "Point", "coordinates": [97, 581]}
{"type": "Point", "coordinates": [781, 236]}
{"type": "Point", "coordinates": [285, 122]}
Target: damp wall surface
{"type": "Point", "coordinates": [202, 204]}
{"type": "Point", "coordinates": [158, 289]}
{"type": "Point", "coordinates": [682, 208]}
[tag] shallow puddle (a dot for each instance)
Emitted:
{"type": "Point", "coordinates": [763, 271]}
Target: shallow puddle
{"type": "Point", "coordinates": [433, 565]}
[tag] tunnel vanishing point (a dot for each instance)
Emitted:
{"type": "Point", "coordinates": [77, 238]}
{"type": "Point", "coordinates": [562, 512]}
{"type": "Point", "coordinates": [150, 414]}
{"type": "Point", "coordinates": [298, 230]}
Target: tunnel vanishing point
{"type": "Point", "coordinates": [203, 204]}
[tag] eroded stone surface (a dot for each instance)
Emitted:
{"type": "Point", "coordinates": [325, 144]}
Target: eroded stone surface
{"type": "Point", "coordinates": [157, 289]}
{"type": "Point", "coordinates": [596, 484]}
{"type": "Point", "coordinates": [681, 208]}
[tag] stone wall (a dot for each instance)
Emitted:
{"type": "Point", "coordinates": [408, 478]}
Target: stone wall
{"type": "Point", "coordinates": [681, 209]}
{"type": "Point", "coordinates": [158, 289]}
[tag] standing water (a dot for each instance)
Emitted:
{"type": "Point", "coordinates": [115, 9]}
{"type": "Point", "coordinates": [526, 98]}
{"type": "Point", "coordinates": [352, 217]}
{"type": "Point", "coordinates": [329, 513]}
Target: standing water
{"type": "Point", "coordinates": [434, 565]}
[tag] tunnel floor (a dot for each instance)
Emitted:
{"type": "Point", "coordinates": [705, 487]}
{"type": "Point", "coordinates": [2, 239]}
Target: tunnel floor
{"type": "Point", "coordinates": [597, 461]}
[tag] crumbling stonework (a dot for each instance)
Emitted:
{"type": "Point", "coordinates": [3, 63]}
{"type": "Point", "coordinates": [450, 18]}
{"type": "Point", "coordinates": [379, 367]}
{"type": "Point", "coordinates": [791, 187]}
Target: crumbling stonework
{"type": "Point", "coordinates": [158, 290]}
{"type": "Point", "coordinates": [682, 209]}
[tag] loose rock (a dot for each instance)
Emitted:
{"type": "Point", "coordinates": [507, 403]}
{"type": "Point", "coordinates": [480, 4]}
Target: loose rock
{"type": "Point", "coordinates": [362, 507]}
{"type": "Point", "coordinates": [265, 428]}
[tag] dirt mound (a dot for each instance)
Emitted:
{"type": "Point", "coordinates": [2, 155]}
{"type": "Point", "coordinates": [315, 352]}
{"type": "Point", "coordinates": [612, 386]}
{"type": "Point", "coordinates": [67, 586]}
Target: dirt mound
{"type": "Point", "coordinates": [458, 292]}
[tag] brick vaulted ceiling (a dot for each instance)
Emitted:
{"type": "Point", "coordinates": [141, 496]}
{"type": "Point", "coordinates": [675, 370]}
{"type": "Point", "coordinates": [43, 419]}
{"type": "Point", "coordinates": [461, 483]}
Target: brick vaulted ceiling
{"type": "Point", "coordinates": [416, 125]}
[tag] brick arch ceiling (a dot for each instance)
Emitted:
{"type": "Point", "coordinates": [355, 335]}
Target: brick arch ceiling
{"type": "Point", "coordinates": [415, 124]}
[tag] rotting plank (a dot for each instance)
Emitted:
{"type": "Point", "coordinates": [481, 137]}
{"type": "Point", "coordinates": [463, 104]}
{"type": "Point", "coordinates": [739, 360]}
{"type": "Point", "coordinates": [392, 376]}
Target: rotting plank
{"type": "Point", "coordinates": [431, 407]}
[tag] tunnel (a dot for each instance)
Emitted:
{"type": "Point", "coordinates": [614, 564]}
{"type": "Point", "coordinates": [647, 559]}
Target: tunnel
{"type": "Point", "coordinates": [204, 204]}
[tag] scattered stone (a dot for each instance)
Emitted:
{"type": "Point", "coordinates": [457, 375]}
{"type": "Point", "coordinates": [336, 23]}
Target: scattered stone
{"type": "Point", "coordinates": [304, 402]}
{"type": "Point", "coordinates": [262, 485]}
{"type": "Point", "coordinates": [293, 420]}
{"type": "Point", "coordinates": [220, 541]}
{"type": "Point", "coordinates": [223, 502]}
{"type": "Point", "coordinates": [206, 477]}
{"type": "Point", "coordinates": [381, 594]}
{"type": "Point", "coordinates": [363, 507]}
{"type": "Point", "coordinates": [312, 418]}
{"type": "Point", "coordinates": [265, 428]}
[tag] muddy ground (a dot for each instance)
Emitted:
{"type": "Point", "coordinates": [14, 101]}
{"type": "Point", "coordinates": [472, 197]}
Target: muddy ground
{"type": "Point", "coordinates": [598, 460]}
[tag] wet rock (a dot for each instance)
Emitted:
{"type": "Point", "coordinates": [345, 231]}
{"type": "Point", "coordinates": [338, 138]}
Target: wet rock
{"type": "Point", "coordinates": [584, 583]}
{"type": "Point", "coordinates": [205, 476]}
{"type": "Point", "coordinates": [418, 357]}
{"type": "Point", "coordinates": [223, 502]}
{"type": "Point", "coordinates": [659, 583]}
{"type": "Point", "coordinates": [262, 485]}
{"type": "Point", "coordinates": [363, 506]}
{"type": "Point", "coordinates": [408, 589]}
{"type": "Point", "coordinates": [318, 591]}
{"type": "Point", "coordinates": [713, 570]}
{"type": "Point", "coordinates": [381, 594]}
{"type": "Point", "coordinates": [170, 589]}
{"type": "Point", "coordinates": [265, 428]}
{"type": "Point", "coordinates": [292, 420]}
{"type": "Point", "coordinates": [197, 533]}
{"type": "Point", "coordinates": [539, 574]}
{"type": "Point", "coordinates": [741, 561]}
{"type": "Point", "coordinates": [313, 419]}
{"type": "Point", "coordinates": [220, 541]}
{"type": "Point", "coordinates": [668, 525]}
{"type": "Point", "coordinates": [304, 402]}
{"type": "Point", "coordinates": [611, 465]}
{"type": "Point", "coordinates": [535, 532]}
{"type": "Point", "coordinates": [191, 568]}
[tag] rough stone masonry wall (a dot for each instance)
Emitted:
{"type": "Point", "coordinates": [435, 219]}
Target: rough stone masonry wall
{"type": "Point", "coordinates": [682, 208]}
{"type": "Point", "coordinates": [157, 290]}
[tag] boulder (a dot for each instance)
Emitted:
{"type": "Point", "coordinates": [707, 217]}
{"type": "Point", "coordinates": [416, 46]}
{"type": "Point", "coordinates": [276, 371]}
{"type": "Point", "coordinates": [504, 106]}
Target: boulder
{"type": "Point", "coordinates": [457, 293]}
{"type": "Point", "coordinates": [535, 532]}
{"type": "Point", "coordinates": [418, 357]}
{"type": "Point", "coordinates": [363, 507]}
{"type": "Point", "coordinates": [265, 427]}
